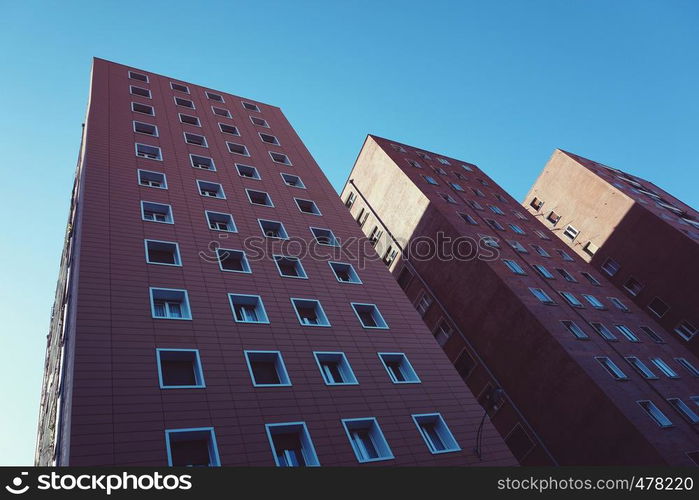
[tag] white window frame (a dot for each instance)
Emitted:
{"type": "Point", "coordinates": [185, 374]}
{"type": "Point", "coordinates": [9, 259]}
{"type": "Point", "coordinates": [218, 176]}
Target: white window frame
{"type": "Point", "coordinates": [214, 460]}
{"type": "Point", "coordinates": [197, 367]}
{"type": "Point", "coordinates": [140, 171]}
{"type": "Point", "coordinates": [232, 221]}
{"type": "Point", "coordinates": [323, 320]}
{"type": "Point", "coordinates": [185, 308]}
{"type": "Point", "coordinates": [376, 435]}
{"type": "Point", "coordinates": [259, 309]}
{"type": "Point", "coordinates": [279, 365]}
{"type": "Point", "coordinates": [302, 272]}
{"type": "Point", "coordinates": [178, 258]}
{"type": "Point", "coordinates": [219, 191]}
{"type": "Point", "coordinates": [169, 215]}
{"type": "Point", "coordinates": [343, 367]}
{"type": "Point", "coordinates": [244, 261]}
{"type": "Point", "coordinates": [441, 429]}
{"type": "Point", "coordinates": [381, 323]}
{"type": "Point", "coordinates": [355, 279]}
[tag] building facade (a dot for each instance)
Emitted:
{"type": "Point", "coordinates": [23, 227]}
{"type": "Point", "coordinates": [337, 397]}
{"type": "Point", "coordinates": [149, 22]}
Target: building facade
{"type": "Point", "coordinates": [207, 314]}
{"type": "Point", "coordinates": [570, 371]}
{"type": "Point", "coordinates": [643, 239]}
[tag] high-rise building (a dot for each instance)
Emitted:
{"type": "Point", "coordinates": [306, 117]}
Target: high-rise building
{"type": "Point", "coordinates": [570, 370]}
{"type": "Point", "coordinates": [206, 313]}
{"type": "Point", "coordinates": [643, 239]}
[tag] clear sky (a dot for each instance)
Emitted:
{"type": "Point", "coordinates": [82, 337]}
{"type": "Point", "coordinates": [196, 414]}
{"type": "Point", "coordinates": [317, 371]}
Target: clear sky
{"type": "Point", "coordinates": [497, 83]}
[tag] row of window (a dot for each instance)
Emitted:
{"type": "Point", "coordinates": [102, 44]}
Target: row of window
{"type": "Point", "coordinates": [292, 446]}
{"type": "Point", "coordinates": [170, 303]}
{"type": "Point", "coordinates": [197, 139]}
{"type": "Point", "coordinates": [644, 370]}
{"type": "Point", "coordinates": [149, 178]}
{"type": "Point", "coordinates": [183, 369]}
{"type": "Point", "coordinates": [205, 163]}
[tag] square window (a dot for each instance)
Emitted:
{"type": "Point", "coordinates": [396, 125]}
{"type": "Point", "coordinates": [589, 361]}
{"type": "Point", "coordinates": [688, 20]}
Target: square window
{"type": "Point", "coordinates": [655, 413]}
{"type": "Point", "coordinates": [570, 232]}
{"type": "Point", "coordinates": [196, 139]}
{"type": "Point", "coordinates": [156, 212]}
{"type": "Point", "coordinates": [259, 198]}
{"type": "Point", "coordinates": [184, 102]}
{"type": "Point", "coordinates": [564, 255]}
{"type": "Point", "coordinates": [571, 299]}
{"type": "Point", "coordinates": [234, 261]}
{"type": "Point", "coordinates": [344, 273]}
{"type": "Point", "coordinates": [165, 253]}
{"type": "Point", "coordinates": [367, 440]}
{"type": "Point", "coordinates": [593, 301]}
{"type": "Point", "coordinates": [536, 204]}
{"type": "Point", "coordinates": [267, 369]}
{"type": "Point", "coordinates": [468, 219]}
{"type": "Point", "coordinates": [221, 222]}
{"type": "Point", "coordinates": [688, 366]}
{"type": "Point", "coordinates": [214, 97]}
{"type": "Point", "coordinates": [293, 181]}
{"type": "Point", "coordinates": [611, 368]}
{"type": "Point", "coordinates": [250, 106]}
{"type": "Point", "coordinates": [324, 237]}
{"type": "Point", "coordinates": [590, 248]}
{"type": "Point", "coordinates": [138, 76]}
{"type": "Point", "coordinates": [269, 139]}
{"type": "Point", "coordinates": [553, 217]}
{"type": "Point", "coordinates": [237, 149]}
{"type": "Point", "coordinates": [189, 120]}
{"type": "Point", "coordinates": [260, 122]}
{"type": "Point", "coordinates": [211, 190]}
{"type": "Point", "coordinates": [641, 368]}
{"type": "Point", "coordinates": [633, 287]}
{"type": "Point", "coordinates": [290, 267]}
{"type": "Point", "coordinates": [664, 367]}
{"type": "Point", "coordinates": [180, 369]}
{"type": "Point", "coordinates": [150, 152]}
{"type": "Point", "coordinates": [142, 108]}
{"type": "Point", "coordinates": [179, 87]}
{"type": "Point", "coordinates": [618, 304]}
{"type": "Point", "coordinates": [573, 328]}
{"type": "Point", "coordinates": [542, 296]}
{"type": "Point", "coordinates": [280, 158]}
{"type": "Point", "coordinates": [684, 410]}
{"type": "Point", "coordinates": [627, 332]}
{"type": "Point", "coordinates": [247, 308]}
{"type": "Point", "coordinates": [611, 267]}
{"type": "Point", "coordinates": [221, 112]}
{"type": "Point", "coordinates": [369, 316]}
{"type": "Point", "coordinates": [192, 447]}
{"type": "Point", "coordinates": [591, 279]}
{"type": "Point", "coordinates": [399, 368]}
{"type": "Point", "coordinates": [307, 206]}
{"type": "Point", "coordinates": [145, 128]}
{"type": "Point", "coordinates": [273, 229]}
{"type": "Point", "coordinates": [423, 304]}
{"type": "Point", "coordinates": [139, 91]}
{"type": "Point", "coordinates": [310, 312]}
{"type": "Point", "coordinates": [566, 275]}
{"type": "Point", "coordinates": [247, 171]}
{"type": "Point", "coordinates": [291, 445]}
{"type": "Point", "coordinates": [543, 271]}
{"type": "Point", "coordinates": [152, 179]}
{"type": "Point", "coordinates": [686, 330]}
{"type": "Point", "coordinates": [228, 129]}
{"type": "Point", "coordinates": [436, 434]}
{"type": "Point", "coordinates": [514, 267]}
{"type": "Point", "coordinates": [653, 336]}
{"type": "Point", "coordinates": [604, 332]}
{"type": "Point", "coordinates": [658, 307]}
{"type": "Point", "coordinates": [443, 332]}
{"type": "Point", "coordinates": [169, 303]}
{"type": "Point", "coordinates": [335, 368]}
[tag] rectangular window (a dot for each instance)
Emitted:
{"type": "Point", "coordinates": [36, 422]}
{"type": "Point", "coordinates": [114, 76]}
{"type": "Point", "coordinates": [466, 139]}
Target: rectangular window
{"type": "Point", "coordinates": [335, 368]}
{"type": "Point", "coordinates": [518, 246]}
{"type": "Point", "coordinates": [152, 179]}
{"type": "Point", "coordinates": [571, 299]}
{"type": "Point", "coordinates": [443, 161]}
{"type": "Point", "coordinates": [684, 410]}
{"type": "Point", "coordinates": [156, 212]}
{"type": "Point", "coordinates": [291, 445]}
{"type": "Point", "coordinates": [591, 279]}
{"type": "Point", "coordinates": [423, 304]}
{"type": "Point", "coordinates": [269, 139]}
{"type": "Point", "coordinates": [430, 180]}
{"type": "Point", "coordinates": [514, 267]}
{"type": "Point", "coordinates": [399, 368]}
{"type": "Point", "coordinates": [496, 210]}
{"type": "Point", "coordinates": [686, 330]}
{"type": "Point", "coordinates": [139, 91]}
{"type": "Point", "coordinates": [541, 251]}
{"type": "Point", "coordinates": [367, 440]}
{"type": "Point", "coordinates": [142, 108]}
{"type": "Point", "coordinates": [351, 198]}
{"type": "Point", "coordinates": [234, 261]}
{"type": "Point", "coordinates": [604, 332]}
{"type": "Point", "coordinates": [202, 162]}
{"type": "Point", "coordinates": [324, 237]}
{"type": "Point", "coordinates": [564, 255]}
{"type": "Point", "coordinates": [575, 329]}
{"type": "Point", "coordinates": [593, 301]}
{"type": "Point", "coordinates": [247, 308]}
{"type": "Point", "coordinates": [543, 271]}
{"type": "Point", "coordinates": [238, 149]}
{"type": "Point", "coordinates": [250, 106]}
{"type": "Point", "coordinates": [293, 181]}
{"type": "Point", "coordinates": [570, 232]}
{"type": "Point", "coordinates": [495, 224]}
{"type": "Point", "coordinates": [553, 217]}
{"type": "Point", "coordinates": [489, 241]}
{"type": "Point", "coordinates": [536, 204]}
{"type": "Point", "coordinates": [566, 275]}
{"type": "Point", "coordinates": [542, 235]}
{"type": "Point", "coordinates": [653, 336]}
{"type": "Point", "coordinates": [189, 120]}
{"type": "Point", "coordinates": [655, 413]}
{"type": "Point", "coordinates": [165, 253]}
{"type": "Point", "coordinates": [289, 267]}
{"type": "Point", "coordinates": [221, 222]}
{"type": "Point", "coordinates": [467, 168]}
{"type": "Point", "coordinates": [280, 158]}
{"type": "Point", "coordinates": [310, 312]}
{"type": "Point", "coordinates": [468, 219]}
{"type": "Point", "coordinates": [169, 303]}
{"type": "Point", "coordinates": [520, 215]}
{"type": "Point", "coordinates": [611, 368]}
{"type": "Point", "coordinates": [247, 171]}
{"type": "Point", "coordinates": [267, 369]}
{"type": "Point", "coordinates": [436, 434]}
{"type": "Point", "coordinates": [369, 316]}
{"type": "Point", "coordinates": [228, 129]}
{"type": "Point", "coordinates": [192, 447]}
{"type": "Point", "coordinates": [196, 139]}
{"type": "Point", "coordinates": [184, 102]}
{"type": "Point", "coordinates": [180, 369]}
{"type": "Point", "coordinates": [641, 368]}
{"type": "Point", "coordinates": [475, 205]}
{"type": "Point", "coordinates": [590, 248]}
{"type": "Point", "coordinates": [211, 190]}
{"type": "Point", "coordinates": [179, 87]}
{"type": "Point", "coordinates": [627, 332]}
{"type": "Point", "coordinates": [307, 206]}
{"type": "Point", "coordinates": [443, 332]}
{"type": "Point", "coordinates": [456, 186]}
{"type": "Point", "coordinates": [150, 152]}
{"type": "Point", "coordinates": [658, 307]}
{"type": "Point", "coordinates": [138, 76]}
{"type": "Point", "coordinates": [404, 278]}
{"type": "Point", "coordinates": [611, 267]}
{"type": "Point", "coordinates": [145, 128]}
{"type": "Point", "coordinates": [517, 229]}
{"type": "Point", "coordinates": [618, 304]}
{"type": "Point", "coordinates": [260, 122]}
{"type": "Point", "coordinates": [221, 112]}
{"type": "Point", "coordinates": [273, 229]}
{"type": "Point", "coordinates": [688, 366]}
{"type": "Point", "coordinates": [214, 97]}
{"type": "Point", "coordinates": [344, 273]}
{"type": "Point", "coordinates": [448, 198]}
{"type": "Point", "coordinates": [664, 367]}
{"type": "Point", "coordinates": [541, 295]}
{"type": "Point", "coordinates": [259, 198]}
{"type": "Point", "coordinates": [633, 287]}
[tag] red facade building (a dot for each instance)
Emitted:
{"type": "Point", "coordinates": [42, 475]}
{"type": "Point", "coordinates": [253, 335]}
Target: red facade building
{"type": "Point", "coordinates": [643, 239]}
{"type": "Point", "coordinates": [206, 313]}
{"type": "Point", "coordinates": [570, 370]}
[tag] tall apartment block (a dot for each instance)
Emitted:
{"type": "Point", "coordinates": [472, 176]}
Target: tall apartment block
{"type": "Point", "coordinates": [569, 370]}
{"type": "Point", "coordinates": [207, 314]}
{"type": "Point", "coordinates": [643, 239]}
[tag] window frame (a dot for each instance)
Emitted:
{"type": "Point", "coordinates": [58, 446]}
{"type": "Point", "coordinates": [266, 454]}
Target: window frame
{"type": "Point", "coordinates": [375, 309]}
{"type": "Point", "coordinates": [344, 367]}
{"type": "Point", "coordinates": [141, 170]}
{"type": "Point", "coordinates": [374, 428]}
{"type": "Point", "coordinates": [219, 190]}
{"type": "Point", "coordinates": [307, 448]}
{"type": "Point", "coordinates": [244, 261]}
{"type": "Point", "coordinates": [169, 215]}
{"type": "Point", "coordinates": [259, 308]}
{"type": "Point", "coordinates": [352, 272]}
{"type": "Point", "coordinates": [232, 221]}
{"type": "Point", "coordinates": [214, 458]}
{"type": "Point", "coordinates": [277, 257]}
{"type": "Point", "coordinates": [318, 309]}
{"type": "Point", "coordinates": [185, 306]}
{"type": "Point", "coordinates": [454, 445]}
{"type": "Point", "coordinates": [279, 365]}
{"type": "Point", "coordinates": [197, 366]}
{"type": "Point", "coordinates": [178, 257]}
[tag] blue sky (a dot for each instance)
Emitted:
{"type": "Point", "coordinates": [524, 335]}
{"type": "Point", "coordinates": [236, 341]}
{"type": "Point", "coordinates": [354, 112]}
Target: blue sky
{"type": "Point", "coordinates": [500, 84]}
